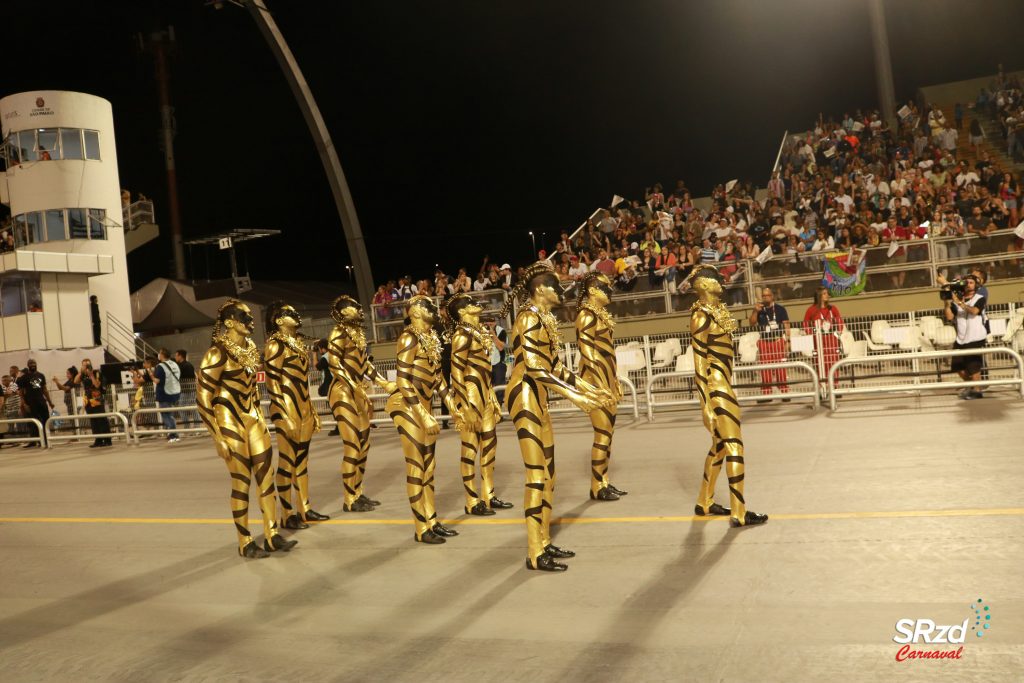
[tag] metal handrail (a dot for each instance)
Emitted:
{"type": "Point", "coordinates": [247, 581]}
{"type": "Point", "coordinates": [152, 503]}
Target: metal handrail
{"type": "Point", "coordinates": [753, 367]}
{"type": "Point", "coordinates": [136, 432]}
{"type": "Point", "coordinates": [51, 437]}
{"type": "Point", "coordinates": [833, 390]}
{"type": "Point", "coordinates": [24, 439]}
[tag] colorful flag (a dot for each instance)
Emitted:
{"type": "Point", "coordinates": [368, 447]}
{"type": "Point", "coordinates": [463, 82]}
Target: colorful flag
{"type": "Point", "coordinates": [844, 274]}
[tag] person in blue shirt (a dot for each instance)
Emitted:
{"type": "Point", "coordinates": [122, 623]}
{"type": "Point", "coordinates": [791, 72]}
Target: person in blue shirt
{"type": "Point", "coordinates": [772, 322]}
{"type": "Point", "coordinates": [167, 380]}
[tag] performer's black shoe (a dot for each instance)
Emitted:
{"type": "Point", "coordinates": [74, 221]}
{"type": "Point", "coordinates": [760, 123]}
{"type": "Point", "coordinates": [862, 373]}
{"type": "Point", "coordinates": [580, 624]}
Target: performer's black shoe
{"type": "Point", "coordinates": [560, 553]}
{"type": "Point", "coordinates": [294, 522]}
{"type": "Point", "coordinates": [369, 501]}
{"type": "Point", "coordinates": [429, 537]}
{"type": "Point", "coordinates": [604, 494]}
{"type": "Point", "coordinates": [277, 542]}
{"type": "Point", "coordinates": [358, 506]}
{"type": "Point", "coordinates": [442, 530]}
{"type": "Point", "coordinates": [617, 491]}
{"type": "Point", "coordinates": [333, 432]}
{"type": "Point", "coordinates": [253, 552]}
{"type": "Point", "coordinates": [499, 504]}
{"type": "Point", "coordinates": [480, 510]}
{"type": "Point", "coordinates": [750, 519]}
{"type": "Point", "coordinates": [546, 563]}
{"type": "Point", "coordinates": [314, 516]}
{"type": "Point", "coordinates": [715, 510]}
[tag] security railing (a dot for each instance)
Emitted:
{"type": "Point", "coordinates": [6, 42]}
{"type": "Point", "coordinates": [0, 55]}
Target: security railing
{"type": "Point", "coordinates": [139, 213]}
{"type": "Point", "coordinates": [22, 439]}
{"type": "Point", "coordinates": [1012, 375]}
{"type": "Point", "coordinates": [52, 437]}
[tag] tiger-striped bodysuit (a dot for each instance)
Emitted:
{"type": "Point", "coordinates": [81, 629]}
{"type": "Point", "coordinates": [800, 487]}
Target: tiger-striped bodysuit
{"type": "Point", "coordinates": [229, 405]}
{"type": "Point", "coordinates": [419, 376]}
{"type": "Point", "coordinates": [598, 367]}
{"type": "Point", "coordinates": [713, 361]}
{"type": "Point", "coordinates": [293, 415]}
{"type": "Point", "coordinates": [350, 366]}
{"type": "Point", "coordinates": [472, 388]}
{"type": "Point", "coordinates": [536, 369]}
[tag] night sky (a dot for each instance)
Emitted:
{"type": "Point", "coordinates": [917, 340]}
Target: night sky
{"type": "Point", "coordinates": [463, 125]}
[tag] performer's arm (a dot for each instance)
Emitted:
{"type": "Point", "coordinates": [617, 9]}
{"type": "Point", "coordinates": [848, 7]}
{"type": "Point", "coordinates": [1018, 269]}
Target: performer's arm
{"type": "Point", "coordinates": [207, 383]}
{"type": "Point", "coordinates": [466, 392]}
{"type": "Point", "coordinates": [273, 365]}
{"type": "Point", "coordinates": [336, 364]}
{"type": "Point", "coordinates": [700, 324]}
{"type": "Point", "coordinates": [531, 329]}
{"type": "Point", "coordinates": [380, 380]}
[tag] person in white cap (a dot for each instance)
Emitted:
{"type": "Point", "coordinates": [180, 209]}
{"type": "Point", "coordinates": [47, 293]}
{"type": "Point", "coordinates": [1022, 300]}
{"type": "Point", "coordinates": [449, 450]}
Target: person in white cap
{"type": "Point", "coordinates": [505, 277]}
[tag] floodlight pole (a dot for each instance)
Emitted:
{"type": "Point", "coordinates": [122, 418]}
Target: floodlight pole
{"type": "Point", "coordinates": [324, 146]}
{"type": "Point", "coordinates": [883, 62]}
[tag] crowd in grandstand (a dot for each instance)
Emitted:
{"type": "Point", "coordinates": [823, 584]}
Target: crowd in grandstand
{"type": "Point", "coordinates": [849, 182]}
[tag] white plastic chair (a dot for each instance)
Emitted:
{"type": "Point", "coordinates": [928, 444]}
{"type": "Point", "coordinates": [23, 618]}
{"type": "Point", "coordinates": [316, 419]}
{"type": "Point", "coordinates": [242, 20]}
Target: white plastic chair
{"type": "Point", "coordinates": [872, 346]}
{"type": "Point", "coordinates": [930, 324]}
{"type": "Point", "coordinates": [912, 340]}
{"type": "Point", "coordinates": [945, 336]}
{"type": "Point", "coordinates": [878, 328]}
{"type": "Point", "coordinates": [665, 353]}
{"type": "Point", "coordinates": [684, 361]}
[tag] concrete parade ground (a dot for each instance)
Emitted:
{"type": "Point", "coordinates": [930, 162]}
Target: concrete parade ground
{"type": "Point", "coordinates": [121, 563]}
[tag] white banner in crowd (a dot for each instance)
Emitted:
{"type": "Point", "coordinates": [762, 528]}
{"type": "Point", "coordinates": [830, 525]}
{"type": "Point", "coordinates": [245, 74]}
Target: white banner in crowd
{"type": "Point", "coordinates": [893, 248]}
{"type": "Point", "coordinates": [616, 200]}
{"type": "Point", "coordinates": [765, 254]}
{"type": "Point", "coordinates": [731, 184]}
{"type": "Point", "coordinates": [1019, 230]}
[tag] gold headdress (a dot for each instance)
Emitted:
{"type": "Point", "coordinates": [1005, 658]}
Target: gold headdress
{"type": "Point", "coordinates": [520, 293]}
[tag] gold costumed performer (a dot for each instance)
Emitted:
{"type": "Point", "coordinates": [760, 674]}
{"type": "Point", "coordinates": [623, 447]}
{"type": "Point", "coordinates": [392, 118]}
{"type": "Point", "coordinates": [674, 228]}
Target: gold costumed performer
{"type": "Point", "coordinates": [594, 326]}
{"type": "Point", "coordinates": [286, 362]}
{"type": "Point", "coordinates": [229, 404]}
{"type": "Point", "coordinates": [473, 392]}
{"type": "Point", "coordinates": [711, 328]}
{"type": "Point", "coordinates": [419, 376]}
{"type": "Point", "coordinates": [350, 366]}
{"type": "Point", "coordinates": [536, 370]}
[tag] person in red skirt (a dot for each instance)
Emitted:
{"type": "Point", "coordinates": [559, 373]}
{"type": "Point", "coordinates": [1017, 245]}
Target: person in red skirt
{"type": "Point", "coordinates": [826, 316]}
{"type": "Point", "coordinates": [772, 322]}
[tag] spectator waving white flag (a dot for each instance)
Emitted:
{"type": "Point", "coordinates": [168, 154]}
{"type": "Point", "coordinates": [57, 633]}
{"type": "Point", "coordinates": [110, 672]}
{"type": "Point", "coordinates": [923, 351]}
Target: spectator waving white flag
{"type": "Point", "coordinates": [1019, 230]}
{"type": "Point", "coordinates": [893, 248]}
{"type": "Point", "coordinates": [765, 254]}
{"type": "Point", "coordinates": [731, 184]}
{"type": "Point", "coordinates": [616, 200]}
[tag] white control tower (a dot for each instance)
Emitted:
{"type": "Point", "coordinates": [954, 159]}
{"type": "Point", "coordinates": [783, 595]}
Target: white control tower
{"type": "Point", "coordinates": [66, 239]}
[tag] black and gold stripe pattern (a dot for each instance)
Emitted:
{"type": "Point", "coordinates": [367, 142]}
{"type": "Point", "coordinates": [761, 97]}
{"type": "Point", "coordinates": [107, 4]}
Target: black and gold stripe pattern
{"type": "Point", "coordinates": [713, 364]}
{"type": "Point", "coordinates": [287, 381]}
{"type": "Point", "coordinates": [228, 402]}
{"type": "Point", "coordinates": [350, 367]}
{"type": "Point", "coordinates": [599, 368]}
{"type": "Point", "coordinates": [473, 390]}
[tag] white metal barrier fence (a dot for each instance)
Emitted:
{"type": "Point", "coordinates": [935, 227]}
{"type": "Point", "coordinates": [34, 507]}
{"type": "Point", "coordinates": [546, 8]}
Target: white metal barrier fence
{"type": "Point", "coordinates": [811, 393]}
{"type": "Point", "coordinates": [836, 391]}
{"type": "Point", "coordinates": [24, 439]}
{"type": "Point", "coordinates": [51, 437]}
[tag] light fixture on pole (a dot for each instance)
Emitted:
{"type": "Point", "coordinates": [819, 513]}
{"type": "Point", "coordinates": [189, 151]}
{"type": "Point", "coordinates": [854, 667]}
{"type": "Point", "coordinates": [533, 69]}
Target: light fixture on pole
{"type": "Point", "coordinates": [533, 240]}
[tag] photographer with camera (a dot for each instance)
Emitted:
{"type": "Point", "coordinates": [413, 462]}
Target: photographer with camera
{"type": "Point", "coordinates": [965, 307]}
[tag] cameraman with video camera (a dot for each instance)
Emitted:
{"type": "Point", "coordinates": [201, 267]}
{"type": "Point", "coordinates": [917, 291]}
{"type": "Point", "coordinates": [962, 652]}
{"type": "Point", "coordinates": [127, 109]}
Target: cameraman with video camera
{"type": "Point", "coordinates": [965, 307]}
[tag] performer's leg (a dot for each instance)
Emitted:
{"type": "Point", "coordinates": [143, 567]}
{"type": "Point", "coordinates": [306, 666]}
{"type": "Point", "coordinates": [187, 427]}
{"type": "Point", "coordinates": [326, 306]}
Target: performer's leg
{"type": "Point", "coordinates": [262, 456]}
{"type": "Point", "coordinates": [488, 453]}
{"type": "Point", "coordinates": [712, 466]}
{"type": "Point", "coordinates": [734, 470]}
{"type": "Point", "coordinates": [525, 411]}
{"type": "Point", "coordinates": [548, 437]}
{"type": "Point", "coordinates": [286, 457]}
{"type": "Point", "coordinates": [429, 461]}
{"type": "Point", "coordinates": [467, 467]}
{"type": "Point", "coordinates": [240, 469]}
{"type": "Point", "coordinates": [302, 478]}
{"type": "Point", "coordinates": [603, 421]}
{"type": "Point", "coordinates": [415, 469]}
{"type": "Point", "coordinates": [346, 414]}
{"type": "Point", "coordinates": [365, 414]}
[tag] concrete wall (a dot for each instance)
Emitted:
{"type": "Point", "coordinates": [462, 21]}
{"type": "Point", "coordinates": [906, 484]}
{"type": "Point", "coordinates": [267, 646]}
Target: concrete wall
{"type": "Point", "coordinates": [960, 91]}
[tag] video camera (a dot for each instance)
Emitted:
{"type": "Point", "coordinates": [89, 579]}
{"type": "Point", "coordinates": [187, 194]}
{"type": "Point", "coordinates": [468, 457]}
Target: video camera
{"type": "Point", "coordinates": [957, 287]}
